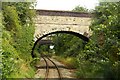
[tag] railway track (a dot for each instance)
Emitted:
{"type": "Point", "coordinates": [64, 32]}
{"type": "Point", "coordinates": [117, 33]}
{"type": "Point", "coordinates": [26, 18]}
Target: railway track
{"type": "Point", "coordinates": [46, 59]}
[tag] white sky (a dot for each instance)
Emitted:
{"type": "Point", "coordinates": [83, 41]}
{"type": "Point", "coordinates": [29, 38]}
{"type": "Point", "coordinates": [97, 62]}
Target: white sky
{"type": "Point", "coordinates": [65, 4]}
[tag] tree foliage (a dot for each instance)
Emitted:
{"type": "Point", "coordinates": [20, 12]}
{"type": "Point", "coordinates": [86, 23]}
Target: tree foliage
{"type": "Point", "coordinates": [80, 9]}
{"type": "Point", "coordinates": [17, 36]}
{"type": "Point", "coordinates": [102, 53]}
{"type": "Point", "coordinates": [68, 45]}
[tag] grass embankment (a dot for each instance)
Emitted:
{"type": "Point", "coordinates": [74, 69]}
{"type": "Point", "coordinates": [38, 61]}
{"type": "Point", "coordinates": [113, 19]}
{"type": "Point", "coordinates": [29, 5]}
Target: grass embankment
{"type": "Point", "coordinates": [23, 70]}
{"type": "Point", "coordinates": [69, 62]}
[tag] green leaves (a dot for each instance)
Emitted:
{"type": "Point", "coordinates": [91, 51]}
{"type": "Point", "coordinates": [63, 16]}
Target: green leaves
{"type": "Point", "coordinates": [67, 45]}
{"type": "Point", "coordinates": [80, 9]}
{"type": "Point", "coordinates": [17, 38]}
{"type": "Point", "coordinates": [103, 47]}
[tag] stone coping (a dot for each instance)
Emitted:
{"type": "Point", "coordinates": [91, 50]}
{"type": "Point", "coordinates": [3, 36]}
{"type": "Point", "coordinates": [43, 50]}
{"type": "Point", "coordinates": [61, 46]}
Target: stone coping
{"type": "Point", "coordinates": [63, 13]}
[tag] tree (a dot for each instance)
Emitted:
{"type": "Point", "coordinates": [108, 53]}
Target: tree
{"type": "Point", "coordinates": [17, 39]}
{"type": "Point", "coordinates": [67, 45]}
{"type": "Point", "coordinates": [80, 9]}
{"type": "Point", "coordinates": [102, 52]}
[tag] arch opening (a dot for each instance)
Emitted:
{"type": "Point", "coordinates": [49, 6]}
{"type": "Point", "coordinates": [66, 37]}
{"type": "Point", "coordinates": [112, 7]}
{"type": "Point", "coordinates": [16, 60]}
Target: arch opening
{"type": "Point", "coordinates": [84, 38]}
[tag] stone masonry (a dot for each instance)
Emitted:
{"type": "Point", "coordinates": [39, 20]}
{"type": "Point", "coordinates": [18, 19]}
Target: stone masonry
{"type": "Point", "coordinates": [48, 21]}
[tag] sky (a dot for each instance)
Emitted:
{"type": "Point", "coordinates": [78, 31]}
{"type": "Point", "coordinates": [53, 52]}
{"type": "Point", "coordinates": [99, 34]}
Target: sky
{"type": "Point", "coordinates": [66, 5]}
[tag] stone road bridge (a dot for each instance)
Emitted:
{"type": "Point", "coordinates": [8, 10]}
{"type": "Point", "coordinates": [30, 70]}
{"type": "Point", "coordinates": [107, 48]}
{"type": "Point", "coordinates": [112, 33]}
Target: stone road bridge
{"type": "Point", "coordinates": [48, 21]}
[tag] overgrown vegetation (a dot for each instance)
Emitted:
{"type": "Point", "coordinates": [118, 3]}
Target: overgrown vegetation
{"type": "Point", "coordinates": [67, 48]}
{"type": "Point", "coordinates": [17, 40]}
{"type": "Point", "coordinates": [64, 45]}
{"type": "Point", "coordinates": [101, 56]}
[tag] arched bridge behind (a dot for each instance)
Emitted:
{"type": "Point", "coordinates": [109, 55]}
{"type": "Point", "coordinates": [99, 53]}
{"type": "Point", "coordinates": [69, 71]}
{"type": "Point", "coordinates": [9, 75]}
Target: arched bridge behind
{"type": "Point", "coordinates": [48, 21]}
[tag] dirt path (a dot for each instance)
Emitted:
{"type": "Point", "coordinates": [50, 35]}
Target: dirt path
{"type": "Point", "coordinates": [65, 73]}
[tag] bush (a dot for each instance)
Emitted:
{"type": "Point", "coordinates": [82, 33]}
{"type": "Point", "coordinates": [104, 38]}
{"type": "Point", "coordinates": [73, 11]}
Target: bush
{"type": "Point", "coordinates": [18, 31]}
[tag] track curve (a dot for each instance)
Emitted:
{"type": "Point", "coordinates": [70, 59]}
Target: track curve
{"type": "Point", "coordinates": [45, 57]}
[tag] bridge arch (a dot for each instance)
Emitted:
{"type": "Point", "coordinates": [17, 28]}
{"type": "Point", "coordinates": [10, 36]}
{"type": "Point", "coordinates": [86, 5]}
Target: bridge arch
{"type": "Point", "coordinates": [83, 37]}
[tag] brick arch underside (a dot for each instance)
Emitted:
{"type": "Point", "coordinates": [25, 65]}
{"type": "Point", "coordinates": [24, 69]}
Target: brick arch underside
{"type": "Point", "coordinates": [86, 39]}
